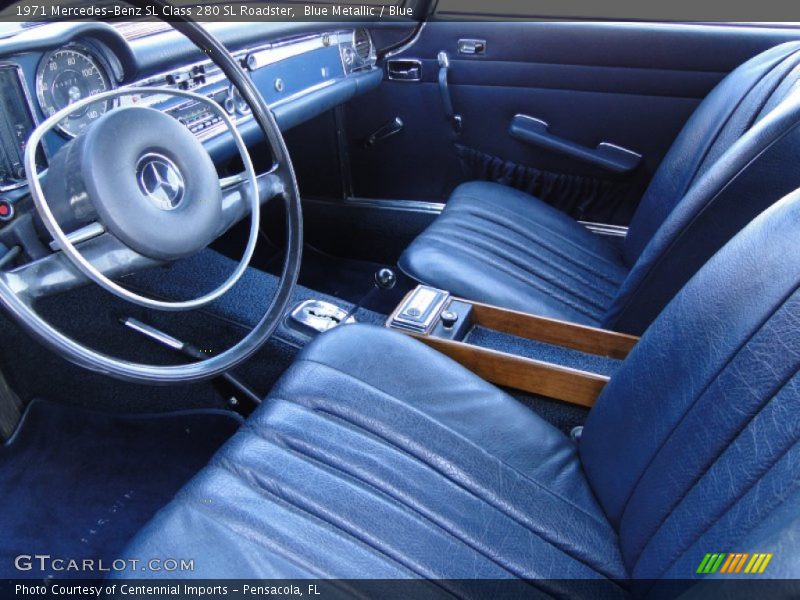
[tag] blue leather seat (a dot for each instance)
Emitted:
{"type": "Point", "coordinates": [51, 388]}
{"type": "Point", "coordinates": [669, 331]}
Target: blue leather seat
{"type": "Point", "coordinates": [377, 457]}
{"type": "Point", "coordinates": [735, 156]}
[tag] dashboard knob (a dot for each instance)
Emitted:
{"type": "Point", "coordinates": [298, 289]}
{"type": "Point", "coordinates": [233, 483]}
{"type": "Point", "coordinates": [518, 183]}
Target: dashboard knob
{"type": "Point", "coordinates": [449, 318]}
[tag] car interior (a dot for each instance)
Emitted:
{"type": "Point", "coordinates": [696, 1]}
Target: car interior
{"type": "Point", "coordinates": [434, 299]}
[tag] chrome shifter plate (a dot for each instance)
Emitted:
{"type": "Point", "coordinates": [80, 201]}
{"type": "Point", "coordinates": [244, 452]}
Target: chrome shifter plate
{"type": "Point", "coordinates": [319, 316]}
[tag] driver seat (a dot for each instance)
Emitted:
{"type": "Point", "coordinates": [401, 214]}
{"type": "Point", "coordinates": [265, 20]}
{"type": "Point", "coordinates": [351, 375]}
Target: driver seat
{"type": "Point", "coordinates": [377, 457]}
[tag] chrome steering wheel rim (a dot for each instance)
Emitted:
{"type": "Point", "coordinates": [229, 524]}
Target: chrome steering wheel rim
{"type": "Point", "coordinates": [86, 267]}
{"type": "Point", "coordinates": [22, 311]}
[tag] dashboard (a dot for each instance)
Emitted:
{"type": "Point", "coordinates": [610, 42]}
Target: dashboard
{"type": "Point", "coordinates": [300, 75]}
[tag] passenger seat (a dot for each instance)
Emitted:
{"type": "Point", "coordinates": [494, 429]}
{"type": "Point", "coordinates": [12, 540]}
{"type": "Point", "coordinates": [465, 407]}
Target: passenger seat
{"type": "Point", "coordinates": [737, 154]}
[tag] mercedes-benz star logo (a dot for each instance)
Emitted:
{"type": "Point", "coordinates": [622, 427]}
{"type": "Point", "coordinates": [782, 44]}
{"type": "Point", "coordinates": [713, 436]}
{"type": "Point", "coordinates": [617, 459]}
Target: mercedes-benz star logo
{"type": "Point", "coordinates": [161, 181]}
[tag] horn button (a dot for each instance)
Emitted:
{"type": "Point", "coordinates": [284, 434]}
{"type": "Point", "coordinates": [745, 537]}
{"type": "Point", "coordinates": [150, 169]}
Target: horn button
{"type": "Point", "coordinates": [161, 181]}
{"type": "Point", "coordinates": [147, 178]}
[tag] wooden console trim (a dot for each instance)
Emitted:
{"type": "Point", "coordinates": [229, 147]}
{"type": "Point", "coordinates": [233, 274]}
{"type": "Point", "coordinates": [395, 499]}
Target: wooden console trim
{"type": "Point", "coordinates": [552, 331]}
{"type": "Point", "coordinates": [526, 374]}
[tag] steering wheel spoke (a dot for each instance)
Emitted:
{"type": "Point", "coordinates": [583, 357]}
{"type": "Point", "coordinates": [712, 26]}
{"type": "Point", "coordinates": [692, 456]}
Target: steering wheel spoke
{"type": "Point", "coordinates": [236, 196]}
{"type": "Point", "coordinates": [55, 273]}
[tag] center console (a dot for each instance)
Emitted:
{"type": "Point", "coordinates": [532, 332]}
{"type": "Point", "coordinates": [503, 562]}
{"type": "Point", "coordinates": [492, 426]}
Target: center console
{"type": "Point", "coordinates": [553, 358]}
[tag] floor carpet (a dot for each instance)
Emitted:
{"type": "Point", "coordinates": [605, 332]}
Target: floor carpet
{"type": "Point", "coordinates": [79, 484]}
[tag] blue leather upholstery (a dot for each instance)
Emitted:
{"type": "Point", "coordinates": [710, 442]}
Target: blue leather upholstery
{"type": "Point", "coordinates": [695, 442]}
{"type": "Point", "coordinates": [347, 470]}
{"type": "Point", "coordinates": [375, 456]}
{"type": "Point", "coordinates": [501, 246]}
{"type": "Point", "coordinates": [733, 158]}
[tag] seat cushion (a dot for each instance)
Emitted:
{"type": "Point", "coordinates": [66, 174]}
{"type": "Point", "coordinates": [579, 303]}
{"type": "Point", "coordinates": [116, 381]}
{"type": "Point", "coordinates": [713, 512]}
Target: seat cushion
{"type": "Point", "coordinates": [498, 245]}
{"type": "Point", "coordinates": [391, 463]}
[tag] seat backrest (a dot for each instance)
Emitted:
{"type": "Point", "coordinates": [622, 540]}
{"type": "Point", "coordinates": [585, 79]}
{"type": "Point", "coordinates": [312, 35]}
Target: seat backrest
{"type": "Point", "coordinates": [731, 108]}
{"type": "Point", "coordinates": [731, 161]}
{"type": "Point", "coordinates": [694, 445]}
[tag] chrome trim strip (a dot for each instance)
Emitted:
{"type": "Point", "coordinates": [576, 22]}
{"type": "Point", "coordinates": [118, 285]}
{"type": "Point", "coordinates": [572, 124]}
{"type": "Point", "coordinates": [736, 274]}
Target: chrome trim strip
{"type": "Point", "coordinates": [420, 206]}
{"type": "Point", "coordinates": [274, 53]}
{"type": "Point", "coordinates": [154, 334]}
{"type": "Point", "coordinates": [408, 44]}
{"type": "Point", "coordinates": [544, 124]}
{"type": "Point", "coordinates": [84, 234]}
{"type": "Point", "coordinates": [303, 92]}
{"type": "Point", "coordinates": [605, 229]}
{"type": "Point", "coordinates": [633, 153]}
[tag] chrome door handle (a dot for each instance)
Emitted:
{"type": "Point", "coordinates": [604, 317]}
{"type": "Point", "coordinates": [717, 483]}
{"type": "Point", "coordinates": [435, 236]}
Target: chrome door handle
{"type": "Point", "coordinates": [404, 69]}
{"type": "Point", "coordinates": [471, 47]}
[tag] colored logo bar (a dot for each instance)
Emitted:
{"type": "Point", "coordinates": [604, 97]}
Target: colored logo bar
{"type": "Point", "coordinates": [734, 562]}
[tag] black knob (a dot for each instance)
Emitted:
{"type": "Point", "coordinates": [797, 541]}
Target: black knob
{"type": "Point", "coordinates": [385, 278]}
{"type": "Point", "coordinates": [449, 318]}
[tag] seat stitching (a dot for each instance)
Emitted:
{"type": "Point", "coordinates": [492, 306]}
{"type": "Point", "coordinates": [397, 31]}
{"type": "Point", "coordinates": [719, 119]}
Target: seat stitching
{"type": "Point", "coordinates": [226, 465]}
{"type": "Point", "coordinates": [540, 534]}
{"type": "Point", "coordinates": [687, 182]}
{"type": "Point", "coordinates": [537, 232]}
{"type": "Point", "coordinates": [766, 109]}
{"type": "Point", "coordinates": [534, 282]}
{"type": "Point", "coordinates": [780, 80]}
{"type": "Point", "coordinates": [530, 253]}
{"type": "Point", "coordinates": [755, 114]}
{"type": "Point", "coordinates": [479, 210]}
{"type": "Point", "coordinates": [511, 223]}
{"type": "Point", "coordinates": [675, 239]}
{"type": "Point", "coordinates": [702, 392]}
{"type": "Point", "coordinates": [531, 283]}
{"type": "Point", "coordinates": [535, 261]}
{"type": "Point", "coordinates": [276, 438]}
{"type": "Point", "coordinates": [365, 384]}
{"type": "Point", "coordinates": [713, 461]}
{"type": "Point", "coordinates": [510, 258]}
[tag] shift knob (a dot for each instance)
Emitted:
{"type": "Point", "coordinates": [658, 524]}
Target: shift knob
{"type": "Point", "coordinates": [385, 278]}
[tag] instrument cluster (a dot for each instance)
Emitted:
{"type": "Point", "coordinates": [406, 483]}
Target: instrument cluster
{"type": "Point", "coordinates": [69, 74]}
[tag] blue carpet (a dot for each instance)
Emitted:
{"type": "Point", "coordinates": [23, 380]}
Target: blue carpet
{"type": "Point", "coordinates": [79, 484]}
{"type": "Point", "coordinates": [245, 303]}
{"type": "Point", "coordinates": [559, 355]}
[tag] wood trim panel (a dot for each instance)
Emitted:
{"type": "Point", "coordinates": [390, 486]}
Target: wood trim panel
{"type": "Point", "coordinates": [553, 381]}
{"type": "Point", "coordinates": [552, 331]}
{"type": "Point", "coordinates": [527, 374]}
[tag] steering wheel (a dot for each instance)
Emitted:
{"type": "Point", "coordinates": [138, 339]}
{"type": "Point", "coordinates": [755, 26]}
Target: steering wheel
{"type": "Point", "coordinates": [156, 197]}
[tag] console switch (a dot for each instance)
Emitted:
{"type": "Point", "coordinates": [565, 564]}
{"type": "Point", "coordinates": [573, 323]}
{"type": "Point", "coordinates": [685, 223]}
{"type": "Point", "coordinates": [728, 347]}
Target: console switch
{"type": "Point", "coordinates": [420, 310]}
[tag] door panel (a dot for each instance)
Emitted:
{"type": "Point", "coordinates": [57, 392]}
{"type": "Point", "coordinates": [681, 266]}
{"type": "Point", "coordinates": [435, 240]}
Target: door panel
{"type": "Point", "coordinates": [630, 85]}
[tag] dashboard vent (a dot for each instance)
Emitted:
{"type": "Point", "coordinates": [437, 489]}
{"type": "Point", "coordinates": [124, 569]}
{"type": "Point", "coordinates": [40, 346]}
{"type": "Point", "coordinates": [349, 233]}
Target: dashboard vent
{"type": "Point", "coordinates": [363, 44]}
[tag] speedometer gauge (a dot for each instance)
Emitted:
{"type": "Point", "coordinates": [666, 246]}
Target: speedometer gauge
{"type": "Point", "coordinates": [67, 75]}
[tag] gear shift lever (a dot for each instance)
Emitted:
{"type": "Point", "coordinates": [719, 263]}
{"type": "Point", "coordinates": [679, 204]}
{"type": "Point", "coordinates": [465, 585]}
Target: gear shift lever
{"type": "Point", "coordinates": [385, 279]}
